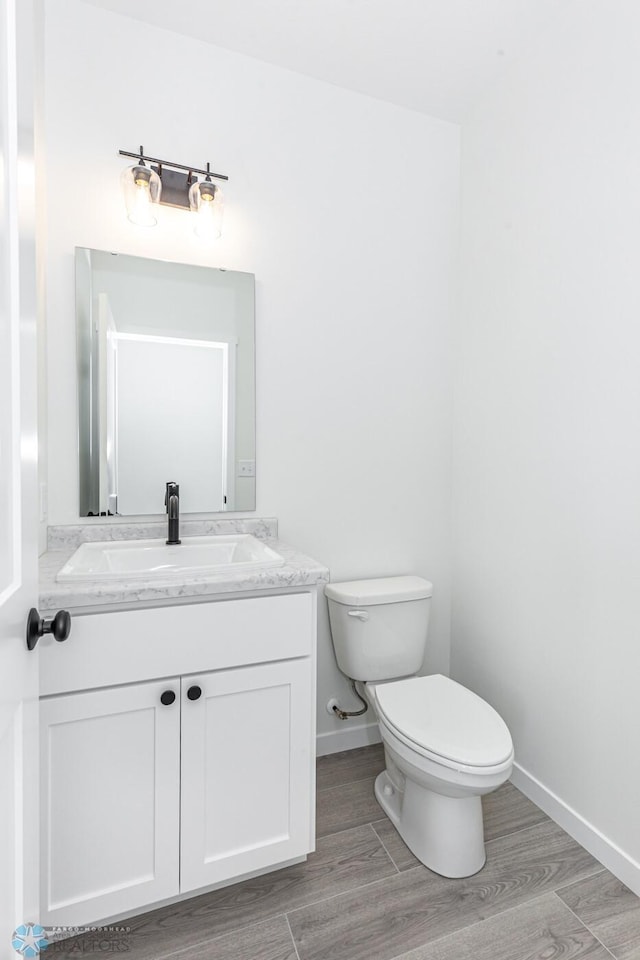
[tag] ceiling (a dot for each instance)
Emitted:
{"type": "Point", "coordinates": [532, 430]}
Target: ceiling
{"type": "Point", "coordinates": [435, 56]}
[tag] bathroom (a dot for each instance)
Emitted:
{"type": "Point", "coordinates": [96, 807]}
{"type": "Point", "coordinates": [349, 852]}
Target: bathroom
{"type": "Point", "coordinates": [446, 376]}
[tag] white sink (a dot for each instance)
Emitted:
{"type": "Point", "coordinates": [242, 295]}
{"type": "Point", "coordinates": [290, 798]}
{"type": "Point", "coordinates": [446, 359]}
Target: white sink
{"type": "Point", "coordinates": [146, 559]}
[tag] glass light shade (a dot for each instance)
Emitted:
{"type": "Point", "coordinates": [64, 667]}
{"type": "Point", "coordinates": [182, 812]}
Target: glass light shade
{"type": "Point", "coordinates": [142, 188]}
{"type": "Point", "coordinates": [205, 199]}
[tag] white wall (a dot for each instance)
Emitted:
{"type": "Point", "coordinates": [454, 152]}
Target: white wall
{"type": "Point", "coordinates": [546, 611]}
{"type": "Point", "coordinates": [345, 209]}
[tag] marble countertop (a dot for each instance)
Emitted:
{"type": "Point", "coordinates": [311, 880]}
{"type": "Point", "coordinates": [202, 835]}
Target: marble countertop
{"type": "Point", "coordinates": [298, 570]}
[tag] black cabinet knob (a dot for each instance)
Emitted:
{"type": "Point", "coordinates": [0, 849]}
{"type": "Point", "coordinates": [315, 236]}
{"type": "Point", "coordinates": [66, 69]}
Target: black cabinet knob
{"type": "Point", "coordinates": [194, 693]}
{"type": "Point", "coordinates": [167, 698]}
{"type": "Point", "coordinates": [59, 626]}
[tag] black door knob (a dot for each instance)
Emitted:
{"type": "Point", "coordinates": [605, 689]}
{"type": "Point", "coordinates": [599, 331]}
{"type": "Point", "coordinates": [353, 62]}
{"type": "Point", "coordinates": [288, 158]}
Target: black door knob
{"type": "Point", "coordinates": [59, 626]}
{"type": "Point", "coordinates": [194, 693]}
{"type": "Point", "coordinates": [167, 698]}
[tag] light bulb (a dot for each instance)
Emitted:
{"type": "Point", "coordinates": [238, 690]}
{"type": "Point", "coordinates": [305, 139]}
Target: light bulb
{"type": "Point", "coordinates": [140, 212]}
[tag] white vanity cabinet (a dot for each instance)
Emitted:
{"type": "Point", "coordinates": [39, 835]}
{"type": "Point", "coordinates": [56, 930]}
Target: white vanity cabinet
{"type": "Point", "coordinates": [146, 797]}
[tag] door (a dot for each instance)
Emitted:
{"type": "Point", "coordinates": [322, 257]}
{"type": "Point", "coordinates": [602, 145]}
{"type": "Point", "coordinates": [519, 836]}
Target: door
{"type": "Point", "coordinates": [246, 770]}
{"type": "Point", "coordinates": [18, 478]}
{"type": "Point", "coordinates": [171, 422]}
{"type": "Point", "coordinates": [110, 793]}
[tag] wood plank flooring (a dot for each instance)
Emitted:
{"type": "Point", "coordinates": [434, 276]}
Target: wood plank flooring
{"type": "Point", "coordinates": [363, 895]}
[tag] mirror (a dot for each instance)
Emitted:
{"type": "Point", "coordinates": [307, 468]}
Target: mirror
{"type": "Point", "coordinates": [166, 385]}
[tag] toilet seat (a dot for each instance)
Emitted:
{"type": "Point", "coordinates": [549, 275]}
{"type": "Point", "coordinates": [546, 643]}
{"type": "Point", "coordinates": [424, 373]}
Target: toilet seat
{"type": "Point", "coordinates": [444, 722]}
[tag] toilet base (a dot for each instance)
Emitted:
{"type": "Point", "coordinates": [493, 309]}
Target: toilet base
{"type": "Point", "coordinates": [445, 833]}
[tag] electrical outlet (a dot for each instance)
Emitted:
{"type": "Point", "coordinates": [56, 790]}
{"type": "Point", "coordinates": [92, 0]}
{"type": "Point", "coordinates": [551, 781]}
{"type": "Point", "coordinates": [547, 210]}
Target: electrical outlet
{"type": "Point", "coordinates": [246, 468]}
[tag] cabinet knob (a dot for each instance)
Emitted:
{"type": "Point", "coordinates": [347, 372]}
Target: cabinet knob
{"type": "Point", "coordinates": [59, 626]}
{"type": "Point", "coordinates": [167, 698]}
{"type": "Point", "coordinates": [194, 693]}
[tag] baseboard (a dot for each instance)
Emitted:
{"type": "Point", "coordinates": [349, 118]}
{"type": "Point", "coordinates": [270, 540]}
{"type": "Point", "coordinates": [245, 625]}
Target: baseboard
{"type": "Point", "coordinates": [606, 851]}
{"type": "Point", "coordinates": [347, 738]}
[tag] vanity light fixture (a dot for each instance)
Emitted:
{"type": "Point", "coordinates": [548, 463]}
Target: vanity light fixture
{"type": "Point", "coordinates": [165, 182]}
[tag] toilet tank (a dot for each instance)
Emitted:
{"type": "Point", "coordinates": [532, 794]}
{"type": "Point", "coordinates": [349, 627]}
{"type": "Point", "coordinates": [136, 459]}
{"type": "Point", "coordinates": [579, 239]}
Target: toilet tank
{"type": "Point", "coordinates": [379, 627]}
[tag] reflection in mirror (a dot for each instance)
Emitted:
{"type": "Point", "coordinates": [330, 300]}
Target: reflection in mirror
{"type": "Point", "coordinates": [166, 371]}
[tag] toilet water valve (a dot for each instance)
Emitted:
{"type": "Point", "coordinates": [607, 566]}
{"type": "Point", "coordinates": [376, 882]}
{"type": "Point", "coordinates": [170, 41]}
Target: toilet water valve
{"type": "Point", "coordinates": [333, 707]}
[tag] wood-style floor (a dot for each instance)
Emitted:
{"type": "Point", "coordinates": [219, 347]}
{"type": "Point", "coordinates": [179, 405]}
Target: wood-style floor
{"type": "Point", "coordinates": [363, 896]}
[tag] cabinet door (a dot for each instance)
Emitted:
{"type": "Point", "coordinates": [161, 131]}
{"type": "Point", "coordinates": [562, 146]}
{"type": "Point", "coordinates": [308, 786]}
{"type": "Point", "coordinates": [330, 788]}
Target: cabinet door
{"type": "Point", "coordinates": [247, 770]}
{"type": "Point", "coordinates": [110, 801]}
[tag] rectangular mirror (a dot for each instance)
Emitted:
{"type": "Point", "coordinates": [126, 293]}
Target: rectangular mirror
{"type": "Point", "coordinates": [166, 385]}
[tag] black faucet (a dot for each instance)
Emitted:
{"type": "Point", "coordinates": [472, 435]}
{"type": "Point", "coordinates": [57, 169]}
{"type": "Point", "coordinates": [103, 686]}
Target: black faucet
{"type": "Point", "coordinates": [172, 503]}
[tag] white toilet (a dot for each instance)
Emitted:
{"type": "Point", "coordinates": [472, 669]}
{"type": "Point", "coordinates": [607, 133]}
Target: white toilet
{"type": "Point", "coordinates": [444, 746]}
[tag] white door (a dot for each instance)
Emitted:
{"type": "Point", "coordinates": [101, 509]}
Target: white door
{"type": "Point", "coordinates": [18, 478]}
{"type": "Point", "coordinates": [171, 422]}
{"type": "Point", "coordinates": [246, 770]}
{"type": "Point", "coordinates": [110, 788]}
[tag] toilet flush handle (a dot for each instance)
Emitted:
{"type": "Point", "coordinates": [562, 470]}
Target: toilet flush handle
{"type": "Point", "coordinates": [360, 614]}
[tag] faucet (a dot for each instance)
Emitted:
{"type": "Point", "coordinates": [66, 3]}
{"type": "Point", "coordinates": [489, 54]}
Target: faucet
{"type": "Point", "coordinates": [172, 503]}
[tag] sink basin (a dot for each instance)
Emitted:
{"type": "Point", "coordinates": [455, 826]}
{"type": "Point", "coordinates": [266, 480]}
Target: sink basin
{"type": "Point", "coordinates": [146, 559]}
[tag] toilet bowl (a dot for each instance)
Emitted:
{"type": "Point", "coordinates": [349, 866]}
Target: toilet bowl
{"type": "Point", "coordinates": [444, 746]}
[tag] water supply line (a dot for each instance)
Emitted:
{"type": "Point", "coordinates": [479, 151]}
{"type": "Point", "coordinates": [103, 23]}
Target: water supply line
{"type": "Point", "coordinates": [347, 714]}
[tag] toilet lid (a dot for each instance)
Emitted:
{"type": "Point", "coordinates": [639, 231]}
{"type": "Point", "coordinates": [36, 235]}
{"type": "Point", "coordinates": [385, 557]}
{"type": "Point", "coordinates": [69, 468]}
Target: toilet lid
{"type": "Point", "coordinates": [445, 718]}
{"type": "Point", "coordinates": [369, 593]}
